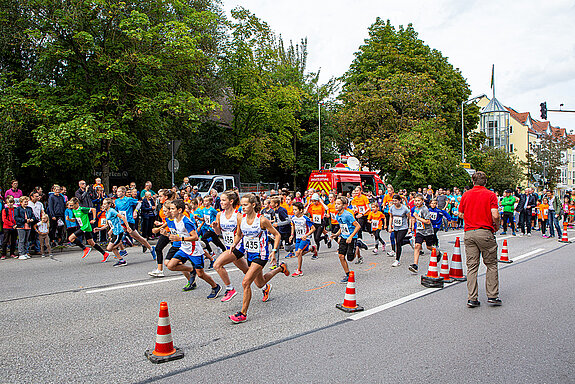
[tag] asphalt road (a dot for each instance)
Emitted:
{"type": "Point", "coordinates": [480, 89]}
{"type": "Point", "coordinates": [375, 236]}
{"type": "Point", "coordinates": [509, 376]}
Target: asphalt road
{"type": "Point", "coordinates": [77, 320]}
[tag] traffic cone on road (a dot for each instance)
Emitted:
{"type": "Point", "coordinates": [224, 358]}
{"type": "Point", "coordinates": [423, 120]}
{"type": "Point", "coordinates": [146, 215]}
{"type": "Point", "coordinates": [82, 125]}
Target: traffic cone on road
{"type": "Point", "coordinates": [444, 271]}
{"type": "Point", "coordinates": [504, 254]}
{"type": "Point", "coordinates": [456, 269]}
{"type": "Point", "coordinates": [349, 303]}
{"type": "Point", "coordinates": [564, 238]}
{"type": "Point", "coordinates": [164, 350]}
{"type": "Point", "coordinates": [432, 279]}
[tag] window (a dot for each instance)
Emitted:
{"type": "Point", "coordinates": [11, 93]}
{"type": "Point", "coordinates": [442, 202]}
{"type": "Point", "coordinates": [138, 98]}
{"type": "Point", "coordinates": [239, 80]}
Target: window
{"type": "Point", "coordinates": [510, 147]}
{"type": "Point", "coordinates": [511, 129]}
{"type": "Point", "coordinates": [219, 185]}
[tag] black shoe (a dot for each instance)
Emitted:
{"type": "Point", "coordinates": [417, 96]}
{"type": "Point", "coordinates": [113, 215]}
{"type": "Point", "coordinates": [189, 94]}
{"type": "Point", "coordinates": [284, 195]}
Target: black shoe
{"type": "Point", "coordinates": [361, 244]}
{"type": "Point", "coordinates": [413, 268]}
{"type": "Point", "coordinates": [473, 303]}
{"type": "Point", "coordinates": [144, 249]}
{"type": "Point", "coordinates": [494, 301]}
{"type": "Point", "coordinates": [329, 244]}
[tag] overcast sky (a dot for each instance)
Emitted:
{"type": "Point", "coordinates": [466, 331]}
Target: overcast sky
{"type": "Point", "coordinates": [530, 41]}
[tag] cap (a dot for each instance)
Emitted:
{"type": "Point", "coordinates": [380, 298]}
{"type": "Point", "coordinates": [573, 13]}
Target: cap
{"type": "Point", "coordinates": [195, 187]}
{"type": "Point", "coordinates": [315, 196]}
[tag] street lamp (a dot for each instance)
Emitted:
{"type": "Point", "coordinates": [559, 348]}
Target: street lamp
{"type": "Point", "coordinates": [319, 133]}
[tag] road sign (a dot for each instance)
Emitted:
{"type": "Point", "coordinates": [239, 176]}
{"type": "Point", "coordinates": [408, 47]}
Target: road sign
{"type": "Point", "coordinates": [470, 171]}
{"type": "Point", "coordinates": [174, 145]}
{"type": "Point", "coordinates": [173, 165]}
{"type": "Point", "coordinates": [465, 165]}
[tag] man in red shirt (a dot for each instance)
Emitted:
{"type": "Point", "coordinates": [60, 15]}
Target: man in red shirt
{"type": "Point", "coordinates": [479, 210]}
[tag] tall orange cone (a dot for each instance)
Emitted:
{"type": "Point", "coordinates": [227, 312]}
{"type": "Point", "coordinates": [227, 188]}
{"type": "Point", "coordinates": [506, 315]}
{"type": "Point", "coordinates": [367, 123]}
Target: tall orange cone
{"type": "Point", "coordinates": [505, 254]}
{"type": "Point", "coordinates": [164, 350]}
{"type": "Point", "coordinates": [444, 271]}
{"type": "Point", "coordinates": [432, 279]}
{"type": "Point", "coordinates": [564, 238]}
{"type": "Point", "coordinates": [349, 303]}
{"type": "Point", "coordinates": [456, 268]}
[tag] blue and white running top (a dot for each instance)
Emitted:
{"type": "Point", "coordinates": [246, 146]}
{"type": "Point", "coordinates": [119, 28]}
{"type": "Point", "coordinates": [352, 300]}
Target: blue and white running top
{"type": "Point", "coordinates": [228, 227]}
{"type": "Point", "coordinates": [255, 239]}
{"type": "Point", "coordinates": [302, 225]}
{"type": "Point", "coordinates": [183, 228]}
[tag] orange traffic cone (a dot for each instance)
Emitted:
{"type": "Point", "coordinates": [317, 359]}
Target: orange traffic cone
{"type": "Point", "coordinates": [444, 271]}
{"type": "Point", "coordinates": [504, 254]}
{"type": "Point", "coordinates": [349, 304]}
{"type": "Point", "coordinates": [456, 268]}
{"type": "Point", "coordinates": [564, 238]}
{"type": "Point", "coordinates": [164, 350]}
{"type": "Point", "coordinates": [432, 279]}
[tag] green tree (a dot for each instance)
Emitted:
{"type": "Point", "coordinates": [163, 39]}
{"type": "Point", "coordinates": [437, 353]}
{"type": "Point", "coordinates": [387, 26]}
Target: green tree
{"type": "Point", "coordinates": [503, 169]}
{"type": "Point", "coordinates": [545, 159]}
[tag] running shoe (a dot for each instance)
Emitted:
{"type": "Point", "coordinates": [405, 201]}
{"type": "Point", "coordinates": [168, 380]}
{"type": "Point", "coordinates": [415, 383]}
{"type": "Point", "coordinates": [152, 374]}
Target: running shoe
{"type": "Point", "coordinates": [215, 292]}
{"type": "Point", "coordinates": [153, 252]}
{"type": "Point", "coordinates": [494, 301]}
{"type": "Point", "coordinates": [123, 253]}
{"type": "Point", "coordinates": [284, 268]}
{"type": "Point", "coordinates": [514, 234]}
{"type": "Point", "coordinates": [190, 286]}
{"type": "Point", "coordinates": [396, 263]}
{"type": "Point", "coordinates": [375, 250]}
{"type": "Point", "coordinates": [290, 255]}
{"type": "Point", "coordinates": [229, 294]}
{"type": "Point", "coordinates": [266, 291]}
{"type": "Point", "coordinates": [23, 257]}
{"type": "Point", "coordinates": [314, 251]}
{"type": "Point", "coordinates": [211, 264]}
{"type": "Point", "coordinates": [273, 266]}
{"type": "Point", "coordinates": [3, 257]}
{"type": "Point", "coordinates": [359, 260]}
{"type": "Point", "coordinates": [87, 251]}
{"type": "Point", "coordinates": [391, 254]}
{"type": "Point", "coordinates": [106, 254]}
{"type": "Point", "coordinates": [14, 256]}
{"type": "Point", "coordinates": [503, 234]}
{"type": "Point", "coordinates": [297, 273]}
{"type": "Point", "coordinates": [238, 318]}
{"type": "Point", "coordinates": [413, 268]}
{"type": "Point", "coordinates": [361, 244]}
{"type": "Point", "coordinates": [144, 249]}
{"type": "Point", "coordinates": [344, 280]}
{"type": "Point", "coordinates": [329, 244]}
{"type": "Point", "coordinates": [121, 263]}
{"type": "Point", "coordinates": [156, 273]}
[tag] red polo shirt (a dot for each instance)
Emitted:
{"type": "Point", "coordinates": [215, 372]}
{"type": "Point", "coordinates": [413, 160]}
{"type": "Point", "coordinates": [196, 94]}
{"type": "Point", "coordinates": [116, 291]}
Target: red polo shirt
{"type": "Point", "coordinates": [476, 204]}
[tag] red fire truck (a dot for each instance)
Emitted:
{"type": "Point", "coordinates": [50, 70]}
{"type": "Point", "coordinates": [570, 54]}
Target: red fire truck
{"type": "Point", "coordinates": [344, 180]}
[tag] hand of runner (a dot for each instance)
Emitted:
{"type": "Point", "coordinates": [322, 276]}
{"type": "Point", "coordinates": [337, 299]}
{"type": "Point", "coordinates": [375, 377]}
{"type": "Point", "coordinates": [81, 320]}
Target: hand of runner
{"type": "Point", "coordinates": [348, 240]}
{"type": "Point", "coordinates": [174, 238]}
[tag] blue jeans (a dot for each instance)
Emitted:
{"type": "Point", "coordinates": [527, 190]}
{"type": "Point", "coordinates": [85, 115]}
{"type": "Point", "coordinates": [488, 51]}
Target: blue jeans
{"type": "Point", "coordinates": [553, 221]}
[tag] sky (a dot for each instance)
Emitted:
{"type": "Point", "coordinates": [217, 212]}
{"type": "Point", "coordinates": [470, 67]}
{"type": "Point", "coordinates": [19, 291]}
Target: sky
{"type": "Point", "coordinates": [530, 42]}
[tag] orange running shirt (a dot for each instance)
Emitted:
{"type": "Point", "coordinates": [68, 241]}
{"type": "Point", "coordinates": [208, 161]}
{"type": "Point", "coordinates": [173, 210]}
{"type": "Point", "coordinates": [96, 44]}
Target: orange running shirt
{"type": "Point", "coordinates": [375, 219]}
{"type": "Point", "coordinates": [316, 212]}
{"type": "Point", "coordinates": [360, 204]}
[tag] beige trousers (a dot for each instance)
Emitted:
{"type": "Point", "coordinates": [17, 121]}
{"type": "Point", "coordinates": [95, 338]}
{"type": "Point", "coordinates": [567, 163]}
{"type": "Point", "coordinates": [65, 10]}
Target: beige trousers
{"type": "Point", "coordinates": [481, 242]}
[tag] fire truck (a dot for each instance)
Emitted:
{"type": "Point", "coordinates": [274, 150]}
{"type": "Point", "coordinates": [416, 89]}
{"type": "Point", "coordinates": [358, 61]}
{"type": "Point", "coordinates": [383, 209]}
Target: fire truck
{"type": "Point", "coordinates": [344, 180]}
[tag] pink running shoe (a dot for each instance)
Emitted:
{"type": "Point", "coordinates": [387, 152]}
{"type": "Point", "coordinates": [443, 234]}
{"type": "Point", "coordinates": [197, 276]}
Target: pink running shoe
{"type": "Point", "coordinates": [105, 257]}
{"type": "Point", "coordinates": [87, 251]}
{"type": "Point", "coordinates": [297, 273]}
{"type": "Point", "coordinates": [230, 293]}
{"type": "Point", "coordinates": [238, 318]}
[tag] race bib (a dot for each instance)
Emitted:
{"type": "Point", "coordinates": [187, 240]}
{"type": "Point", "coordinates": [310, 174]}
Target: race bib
{"type": "Point", "coordinates": [397, 221]}
{"type": "Point", "coordinates": [374, 224]}
{"type": "Point", "coordinates": [419, 225]}
{"type": "Point", "coordinates": [317, 219]}
{"type": "Point", "coordinates": [252, 244]}
{"type": "Point", "coordinates": [299, 231]}
{"type": "Point", "coordinates": [104, 221]}
{"type": "Point", "coordinates": [208, 219]}
{"type": "Point", "coordinates": [433, 215]}
{"type": "Point", "coordinates": [228, 238]}
{"type": "Point", "coordinates": [545, 212]}
{"type": "Point", "coordinates": [79, 221]}
{"type": "Point", "coordinates": [344, 229]}
{"type": "Point", "coordinates": [362, 209]}
{"type": "Point", "coordinates": [332, 216]}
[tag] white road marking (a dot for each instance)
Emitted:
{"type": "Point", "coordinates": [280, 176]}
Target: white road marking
{"type": "Point", "coordinates": [419, 294]}
{"type": "Point", "coordinates": [452, 234]}
{"type": "Point", "coordinates": [155, 281]}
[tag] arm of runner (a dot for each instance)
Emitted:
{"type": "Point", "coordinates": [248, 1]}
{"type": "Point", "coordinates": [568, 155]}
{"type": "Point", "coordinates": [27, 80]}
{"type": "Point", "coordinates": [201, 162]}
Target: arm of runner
{"type": "Point", "coordinates": [267, 225]}
{"type": "Point", "coordinates": [292, 232]}
{"type": "Point", "coordinates": [216, 224]}
{"type": "Point", "coordinates": [355, 231]}
{"type": "Point", "coordinates": [238, 234]}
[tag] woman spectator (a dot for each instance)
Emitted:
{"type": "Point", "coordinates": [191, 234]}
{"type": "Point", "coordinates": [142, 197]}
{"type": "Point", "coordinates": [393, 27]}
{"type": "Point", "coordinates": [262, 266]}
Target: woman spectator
{"type": "Point", "coordinates": [56, 210]}
{"type": "Point", "coordinates": [9, 226]}
{"type": "Point", "coordinates": [148, 215]}
{"type": "Point", "coordinates": [24, 217]}
{"type": "Point", "coordinates": [214, 195]}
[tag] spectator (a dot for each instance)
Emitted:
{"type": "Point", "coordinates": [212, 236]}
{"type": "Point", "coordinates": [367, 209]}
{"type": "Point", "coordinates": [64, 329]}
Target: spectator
{"type": "Point", "coordinates": [195, 193]}
{"type": "Point", "coordinates": [480, 212]}
{"type": "Point", "coordinates": [525, 208]}
{"type": "Point", "coordinates": [98, 197]}
{"type": "Point", "coordinates": [9, 226]}
{"type": "Point", "coordinates": [186, 183]}
{"type": "Point", "coordinates": [64, 193]}
{"type": "Point", "coordinates": [24, 218]}
{"type": "Point", "coordinates": [98, 184]}
{"type": "Point", "coordinates": [14, 192]}
{"type": "Point", "coordinates": [83, 195]}
{"type": "Point", "coordinates": [216, 202]}
{"type": "Point", "coordinates": [441, 199]}
{"type": "Point", "coordinates": [555, 212]}
{"type": "Point", "coordinates": [56, 209]}
{"type": "Point", "coordinates": [148, 214]}
{"type": "Point", "coordinates": [42, 228]}
{"type": "Point", "coordinates": [147, 188]}
{"type": "Point", "coordinates": [38, 210]}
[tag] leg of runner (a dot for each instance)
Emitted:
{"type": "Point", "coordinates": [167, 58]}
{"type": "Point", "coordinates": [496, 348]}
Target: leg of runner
{"type": "Point", "coordinates": [228, 257]}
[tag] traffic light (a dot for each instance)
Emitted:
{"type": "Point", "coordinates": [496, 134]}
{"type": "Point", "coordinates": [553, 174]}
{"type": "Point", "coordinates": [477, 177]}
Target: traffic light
{"type": "Point", "coordinates": [543, 110]}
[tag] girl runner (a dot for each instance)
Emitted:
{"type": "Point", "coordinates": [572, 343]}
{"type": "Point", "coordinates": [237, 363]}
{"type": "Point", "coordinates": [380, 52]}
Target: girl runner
{"type": "Point", "coordinates": [316, 209]}
{"type": "Point", "coordinates": [226, 224]}
{"type": "Point", "coordinates": [82, 217]}
{"type": "Point", "coordinates": [166, 196]}
{"type": "Point", "coordinates": [115, 221]}
{"type": "Point", "coordinates": [183, 234]}
{"type": "Point", "coordinates": [375, 218]}
{"type": "Point", "coordinates": [252, 239]}
{"type": "Point", "coordinates": [399, 225]}
{"type": "Point", "coordinates": [347, 237]}
{"type": "Point", "coordinates": [301, 228]}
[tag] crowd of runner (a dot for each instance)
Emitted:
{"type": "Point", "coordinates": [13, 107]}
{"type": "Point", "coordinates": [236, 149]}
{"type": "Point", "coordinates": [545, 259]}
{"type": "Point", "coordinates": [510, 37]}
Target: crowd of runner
{"type": "Point", "coordinates": [250, 231]}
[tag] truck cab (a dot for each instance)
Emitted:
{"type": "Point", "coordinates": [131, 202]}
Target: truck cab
{"type": "Point", "coordinates": [220, 183]}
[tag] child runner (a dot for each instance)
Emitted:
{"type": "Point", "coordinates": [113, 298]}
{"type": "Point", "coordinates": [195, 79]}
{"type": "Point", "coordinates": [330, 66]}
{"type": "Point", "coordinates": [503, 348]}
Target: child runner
{"type": "Point", "coordinates": [398, 226]}
{"type": "Point", "coordinates": [183, 234]}
{"type": "Point", "coordinates": [436, 216]}
{"type": "Point", "coordinates": [115, 222]}
{"type": "Point", "coordinates": [208, 233]}
{"type": "Point", "coordinates": [424, 231]}
{"type": "Point", "coordinates": [82, 217]}
{"type": "Point", "coordinates": [316, 209]}
{"type": "Point", "coordinates": [70, 220]}
{"type": "Point", "coordinates": [347, 236]}
{"type": "Point", "coordinates": [226, 224]}
{"type": "Point", "coordinates": [376, 219]}
{"type": "Point", "coordinates": [252, 240]}
{"type": "Point", "coordinates": [332, 214]}
{"type": "Point", "coordinates": [282, 224]}
{"type": "Point", "coordinates": [543, 213]}
{"type": "Point", "coordinates": [302, 228]}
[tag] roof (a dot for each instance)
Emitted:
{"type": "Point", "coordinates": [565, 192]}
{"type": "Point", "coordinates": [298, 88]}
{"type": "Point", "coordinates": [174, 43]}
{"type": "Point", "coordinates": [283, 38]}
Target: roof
{"type": "Point", "coordinates": [539, 126]}
{"type": "Point", "coordinates": [494, 106]}
{"type": "Point", "coordinates": [519, 116]}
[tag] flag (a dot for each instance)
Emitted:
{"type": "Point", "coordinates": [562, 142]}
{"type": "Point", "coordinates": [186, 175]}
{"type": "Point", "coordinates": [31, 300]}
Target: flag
{"type": "Point", "coordinates": [493, 76]}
